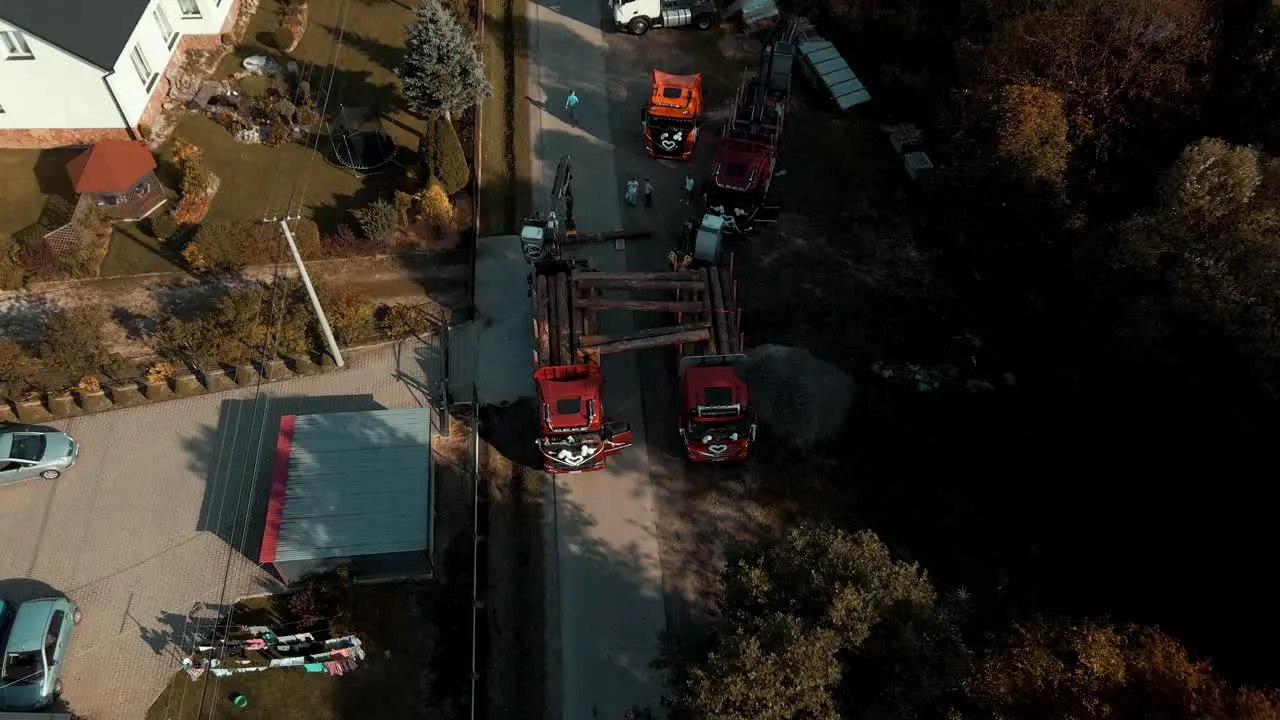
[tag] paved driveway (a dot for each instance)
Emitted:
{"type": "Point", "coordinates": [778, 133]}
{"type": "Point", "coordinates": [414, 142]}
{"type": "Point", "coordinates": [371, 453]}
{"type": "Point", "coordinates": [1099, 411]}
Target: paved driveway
{"type": "Point", "coordinates": [162, 512]}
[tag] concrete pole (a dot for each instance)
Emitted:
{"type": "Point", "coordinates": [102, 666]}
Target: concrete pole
{"type": "Point", "coordinates": [311, 292]}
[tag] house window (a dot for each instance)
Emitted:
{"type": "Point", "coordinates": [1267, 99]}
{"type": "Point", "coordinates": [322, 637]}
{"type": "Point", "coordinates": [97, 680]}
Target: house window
{"type": "Point", "coordinates": [15, 46]}
{"type": "Point", "coordinates": [143, 68]}
{"type": "Point", "coordinates": [189, 8]}
{"type": "Point", "coordinates": [166, 30]}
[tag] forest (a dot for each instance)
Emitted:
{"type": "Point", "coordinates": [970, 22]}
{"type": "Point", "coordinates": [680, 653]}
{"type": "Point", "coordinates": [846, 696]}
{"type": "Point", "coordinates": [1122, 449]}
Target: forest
{"type": "Point", "coordinates": [1094, 542]}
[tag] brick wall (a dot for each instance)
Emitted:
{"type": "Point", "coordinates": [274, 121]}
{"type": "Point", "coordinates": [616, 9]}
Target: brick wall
{"type": "Point", "coordinates": [49, 138]}
{"type": "Point", "coordinates": [59, 137]}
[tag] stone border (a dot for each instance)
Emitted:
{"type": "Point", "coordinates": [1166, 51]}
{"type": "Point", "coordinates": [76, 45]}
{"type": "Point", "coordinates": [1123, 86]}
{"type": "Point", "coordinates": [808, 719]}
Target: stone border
{"type": "Point", "coordinates": [132, 393]}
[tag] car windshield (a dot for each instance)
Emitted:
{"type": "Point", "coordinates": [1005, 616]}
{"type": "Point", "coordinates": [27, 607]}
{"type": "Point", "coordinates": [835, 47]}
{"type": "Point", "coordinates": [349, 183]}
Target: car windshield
{"type": "Point", "coordinates": [27, 446]}
{"type": "Point", "coordinates": [22, 668]}
{"type": "Point", "coordinates": [575, 440]}
{"type": "Point", "coordinates": [719, 430]}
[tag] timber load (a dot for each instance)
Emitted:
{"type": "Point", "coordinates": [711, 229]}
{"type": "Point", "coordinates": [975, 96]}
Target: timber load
{"type": "Point", "coordinates": [701, 301]}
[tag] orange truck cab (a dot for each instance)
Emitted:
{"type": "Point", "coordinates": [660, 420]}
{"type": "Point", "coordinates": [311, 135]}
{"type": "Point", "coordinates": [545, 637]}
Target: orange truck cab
{"type": "Point", "coordinates": [573, 435]}
{"type": "Point", "coordinates": [717, 423]}
{"type": "Point", "coordinates": [673, 116]}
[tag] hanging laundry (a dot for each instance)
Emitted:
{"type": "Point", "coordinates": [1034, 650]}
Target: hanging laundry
{"type": "Point", "coordinates": [314, 667]}
{"type": "Point", "coordinates": [255, 644]}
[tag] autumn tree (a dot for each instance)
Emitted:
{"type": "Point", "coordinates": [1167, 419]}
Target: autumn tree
{"type": "Point", "coordinates": [1088, 671]}
{"type": "Point", "coordinates": [1211, 250]}
{"type": "Point", "coordinates": [803, 616]}
{"type": "Point", "coordinates": [75, 339]}
{"type": "Point", "coordinates": [1033, 133]}
{"type": "Point", "coordinates": [441, 71]}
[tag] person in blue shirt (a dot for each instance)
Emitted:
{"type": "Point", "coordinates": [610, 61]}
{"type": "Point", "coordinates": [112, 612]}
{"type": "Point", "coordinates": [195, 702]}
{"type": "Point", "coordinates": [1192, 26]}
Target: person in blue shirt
{"type": "Point", "coordinates": [571, 104]}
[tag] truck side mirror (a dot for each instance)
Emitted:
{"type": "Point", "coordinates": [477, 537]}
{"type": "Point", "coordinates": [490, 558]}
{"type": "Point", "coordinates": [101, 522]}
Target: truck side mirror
{"type": "Point", "coordinates": [618, 433]}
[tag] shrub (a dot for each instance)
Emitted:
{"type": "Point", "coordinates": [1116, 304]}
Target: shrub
{"type": "Point", "coordinates": [12, 359]}
{"type": "Point", "coordinates": [403, 203]}
{"type": "Point", "coordinates": [326, 600]}
{"type": "Point", "coordinates": [192, 210]}
{"type": "Point", "coordinates": [306, 235]}
{"type": "Point", "coordinates": [378, 221]}
{"type": "Point", "coordinates": [443, 155]}
{"type": "Point", "coordinates": [195, 257]}
{"type": "Point", "coordinates": [227, 40]}
{"type": "Point", "coordinates": [12, 273]}
{"type": "Point", "coordinates": [284, 38]}
{"type": "Point", "coordinates": [74, 339]}
{"type": "Point", "coordinates": [89, 384]}
{"type": "Point", "coordinates": [436, 208]}
{"type": "Point", "coordinates": [347, 243]}
{"type": "Point", "coordinates": [185, 153]}
{"type": "Point", "coordinates": [403, 321]}
{"type": "Point", "coordinates": [144, 131]}
{"type": "Point", "coordinates": [159, 372]}
{"type": "Point", "coordinates": [197, 179]}
{"type": "Point", "coordinates": [199, 343]}
{"type": "Point", "coordinates": [231, 245]}
{"type": "Point", "coordinates": [40, 260]}
{"type": "Point", "coordinates": [162, 225]}
{"type": "Point", "coordinates": [350, 312]}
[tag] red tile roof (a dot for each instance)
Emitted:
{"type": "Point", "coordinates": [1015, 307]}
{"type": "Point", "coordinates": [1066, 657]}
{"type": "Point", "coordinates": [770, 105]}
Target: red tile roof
{"type": "Point", "coordinates": [110, 166]}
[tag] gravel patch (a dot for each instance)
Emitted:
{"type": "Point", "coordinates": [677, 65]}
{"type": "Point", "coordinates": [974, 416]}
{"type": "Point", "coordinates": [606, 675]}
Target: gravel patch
{"type": "Point", "coordinates": [798, 396]}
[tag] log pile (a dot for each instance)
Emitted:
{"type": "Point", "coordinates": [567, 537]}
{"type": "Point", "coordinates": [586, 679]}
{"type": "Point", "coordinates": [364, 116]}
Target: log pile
{"type": "Point", "coordinates": [566, 305]}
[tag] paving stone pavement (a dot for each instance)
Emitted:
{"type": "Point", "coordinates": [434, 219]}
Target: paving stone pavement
{"type": "Point", "coordinates": [151, 524]}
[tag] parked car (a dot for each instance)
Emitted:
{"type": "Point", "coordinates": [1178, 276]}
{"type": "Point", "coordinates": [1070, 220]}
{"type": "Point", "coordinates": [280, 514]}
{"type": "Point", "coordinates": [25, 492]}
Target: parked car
{"type": "Point", "coordinates": [29, 453]}
{"type": "Point", "coordinates": [34, 652]}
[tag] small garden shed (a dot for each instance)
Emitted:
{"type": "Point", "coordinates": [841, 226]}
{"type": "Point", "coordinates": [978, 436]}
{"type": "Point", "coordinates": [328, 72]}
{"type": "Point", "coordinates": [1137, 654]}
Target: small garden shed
{"type": "Point", "coordinates": [352, 490]}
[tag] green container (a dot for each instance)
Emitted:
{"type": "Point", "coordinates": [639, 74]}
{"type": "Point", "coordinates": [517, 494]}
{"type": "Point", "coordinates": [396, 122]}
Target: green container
{"type": "Point", "coordinates": [239, 700]}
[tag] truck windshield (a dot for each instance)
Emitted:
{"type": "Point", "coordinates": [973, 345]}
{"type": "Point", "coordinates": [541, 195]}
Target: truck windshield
{"type": "Point", "coordinates": [720, 430]}
{"type": "Point", "coordinates": [574, 440]}
{"type": "Point", "coordinates": [659, 122]}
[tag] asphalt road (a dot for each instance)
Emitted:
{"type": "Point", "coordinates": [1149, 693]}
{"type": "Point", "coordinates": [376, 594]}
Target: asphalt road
{"type": "Point", "coordinates": [606, 610]}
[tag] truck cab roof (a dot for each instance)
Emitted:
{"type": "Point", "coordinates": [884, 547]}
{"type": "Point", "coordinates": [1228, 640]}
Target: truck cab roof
{"type": "Point", "coordinates": [569, 395]}
{"type": "Point", "coordinates": [675, 96]}
{"type": "Point", "coordinates": [711, 390]}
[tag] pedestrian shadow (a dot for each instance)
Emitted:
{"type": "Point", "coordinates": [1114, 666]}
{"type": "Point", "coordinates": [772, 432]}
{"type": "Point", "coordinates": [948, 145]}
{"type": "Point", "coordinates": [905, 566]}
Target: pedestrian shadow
{"type": "Point", "coordinates": [179, 633]}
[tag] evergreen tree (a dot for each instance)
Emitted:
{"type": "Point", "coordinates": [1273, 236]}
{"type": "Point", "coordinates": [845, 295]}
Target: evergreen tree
{"type": "Point", "coordinates": [442, 153]}
{"type": "Point", "coordinates": [441, 71]}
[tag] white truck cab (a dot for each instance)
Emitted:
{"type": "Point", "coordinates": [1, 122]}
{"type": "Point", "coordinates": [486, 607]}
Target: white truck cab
{"type": "Point", "coordinates": [638, 16]}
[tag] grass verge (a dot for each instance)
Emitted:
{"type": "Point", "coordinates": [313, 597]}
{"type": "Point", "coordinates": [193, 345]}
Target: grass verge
{"type": "Point", "coordinates": [505, 144]}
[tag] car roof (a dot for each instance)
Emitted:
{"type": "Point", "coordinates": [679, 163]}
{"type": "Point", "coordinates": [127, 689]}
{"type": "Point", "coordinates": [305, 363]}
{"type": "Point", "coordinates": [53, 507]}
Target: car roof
{"type": "Point", "coordinates": [31, 622]}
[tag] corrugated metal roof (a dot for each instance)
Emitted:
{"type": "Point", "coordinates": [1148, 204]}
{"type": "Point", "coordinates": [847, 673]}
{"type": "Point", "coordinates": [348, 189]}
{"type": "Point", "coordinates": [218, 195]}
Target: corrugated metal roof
{"type": "Point", "coordinates": [758, 11]}
{"type": "Point", "coordinates": [350, 484]}
{"type": "Point", "coordinates": [835, 74]}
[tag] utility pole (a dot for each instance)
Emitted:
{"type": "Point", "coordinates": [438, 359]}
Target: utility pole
{"type": "Point", "coordinates": [311, 292]}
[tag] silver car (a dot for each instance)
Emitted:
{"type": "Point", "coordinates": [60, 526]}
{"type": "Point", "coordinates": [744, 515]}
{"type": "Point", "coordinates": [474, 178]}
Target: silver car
{"type": "Point", "coordinates": [35, 648]}
{"type": "Point", "coordinates": [25, 454]}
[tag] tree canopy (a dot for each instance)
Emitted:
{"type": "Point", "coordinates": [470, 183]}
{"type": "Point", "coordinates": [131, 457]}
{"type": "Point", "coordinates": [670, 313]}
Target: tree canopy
{"type": "Point", "coordinates": [442, 71]}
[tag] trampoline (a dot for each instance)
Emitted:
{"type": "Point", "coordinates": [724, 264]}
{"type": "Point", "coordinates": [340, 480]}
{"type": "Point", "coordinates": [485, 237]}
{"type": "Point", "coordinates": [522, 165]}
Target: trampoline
{"type": "Point", "coordinates": [359, 140]}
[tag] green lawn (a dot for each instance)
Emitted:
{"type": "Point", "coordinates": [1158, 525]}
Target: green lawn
{"type": "Point", "coordinates": [258, 180]}
{"type": "Point", "coordinates": [134, 252]}
{"type": "Point", "coordinates": [27, 178]}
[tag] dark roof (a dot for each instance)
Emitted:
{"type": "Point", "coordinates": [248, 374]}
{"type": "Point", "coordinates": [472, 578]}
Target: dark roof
{"type": "Point", "coordinates": [349, 484]}
{"type": "Point", "coordinates": [95, 31]}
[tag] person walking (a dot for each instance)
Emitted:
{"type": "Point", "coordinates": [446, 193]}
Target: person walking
{"type": "Point", "coordinates": [688, 190]}
{"type": "Point", "coordinates": [632, 188]}
{"type": "Point", "coordinates": [571, 105]}
{"type": "Point", "coordinates": [648, 193]}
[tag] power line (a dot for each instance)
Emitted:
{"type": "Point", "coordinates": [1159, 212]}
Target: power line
{"type": "Point", "coordinates": [324, 109]}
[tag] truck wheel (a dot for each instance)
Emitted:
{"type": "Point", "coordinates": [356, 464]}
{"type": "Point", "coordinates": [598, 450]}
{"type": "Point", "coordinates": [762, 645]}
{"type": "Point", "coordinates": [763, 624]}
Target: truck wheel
{"type": "Point", "coordinates": [704, 22]}
{"type": "Point", "coordinates": [638, 26]}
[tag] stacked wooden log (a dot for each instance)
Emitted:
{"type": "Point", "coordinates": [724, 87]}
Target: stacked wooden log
{"type": "Point", "coordinates": [565, 306]}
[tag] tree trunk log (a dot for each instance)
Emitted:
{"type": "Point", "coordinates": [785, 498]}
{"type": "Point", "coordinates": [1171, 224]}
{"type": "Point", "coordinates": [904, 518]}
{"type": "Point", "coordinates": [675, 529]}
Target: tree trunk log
{"type": "Point", "coordinates": [593, 278]}
{"type": "Point", "coordinates": [642, 285]}
{"type": "Point", "coordinates": [669, 306]}
{"type": "Point", "coordinates": [645, 343]}
{"type": "Point", "coordinates": [720, 318]}
{"type": "Point", "coordinates": [565, 320]}
{"type": "Point", "coordinates": [587, 341]}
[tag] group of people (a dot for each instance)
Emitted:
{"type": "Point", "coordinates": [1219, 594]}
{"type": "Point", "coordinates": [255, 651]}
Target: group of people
{"type": "Point", "coordinates": [633, 186]}
{"type": "Point", "coordinates": [633, 190]}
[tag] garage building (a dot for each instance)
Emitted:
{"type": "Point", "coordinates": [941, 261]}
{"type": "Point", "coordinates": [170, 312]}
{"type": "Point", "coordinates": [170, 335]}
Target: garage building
{"type": "Point", "coordinates": [352, 490]}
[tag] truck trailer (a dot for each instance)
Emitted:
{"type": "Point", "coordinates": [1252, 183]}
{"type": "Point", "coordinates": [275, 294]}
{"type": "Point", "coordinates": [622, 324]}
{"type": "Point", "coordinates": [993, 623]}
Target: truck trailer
{"type": "Point", "coordinates": [739, 186]}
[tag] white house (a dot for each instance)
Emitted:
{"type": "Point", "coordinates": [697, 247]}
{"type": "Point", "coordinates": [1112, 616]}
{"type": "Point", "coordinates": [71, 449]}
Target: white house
{"type": "Point", "coordinates": [76, 71]}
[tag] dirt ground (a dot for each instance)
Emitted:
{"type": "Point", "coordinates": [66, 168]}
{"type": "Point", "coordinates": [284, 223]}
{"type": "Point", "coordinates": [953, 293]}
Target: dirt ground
{"type": "Point", "coordinates": [135, 302]}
